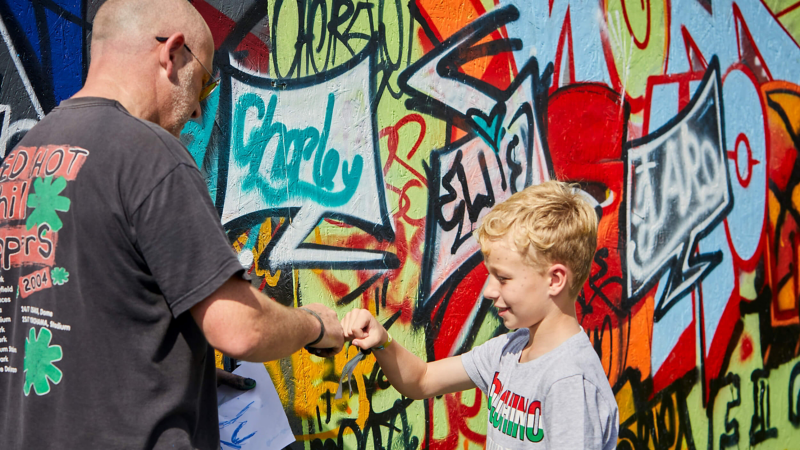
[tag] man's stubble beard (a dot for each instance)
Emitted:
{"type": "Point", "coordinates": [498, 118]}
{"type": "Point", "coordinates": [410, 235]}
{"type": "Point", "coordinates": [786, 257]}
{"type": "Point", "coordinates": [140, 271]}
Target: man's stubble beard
{"type": "Point", "coordinates": [182, 100]}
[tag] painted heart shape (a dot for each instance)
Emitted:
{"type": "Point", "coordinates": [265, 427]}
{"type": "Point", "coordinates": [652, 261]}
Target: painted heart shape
{"type": "Point", "coordinates": [490, 127]}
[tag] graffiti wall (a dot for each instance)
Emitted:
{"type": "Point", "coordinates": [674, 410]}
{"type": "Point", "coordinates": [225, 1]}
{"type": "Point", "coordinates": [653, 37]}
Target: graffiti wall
{"type": "Point", "coordinates": [353, 146]}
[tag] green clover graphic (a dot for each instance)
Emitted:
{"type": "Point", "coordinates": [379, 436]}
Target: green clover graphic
{"type": "Point", "coordinates": [59, 275]}
{"type": "Point", "coordinates": [46, 202]}
{"type": "Point", "coordinates": [39, 359]}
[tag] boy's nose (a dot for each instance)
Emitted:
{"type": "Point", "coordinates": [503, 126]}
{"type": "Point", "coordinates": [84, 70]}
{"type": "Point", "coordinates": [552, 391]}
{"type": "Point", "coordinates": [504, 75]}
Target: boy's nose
{"type": "Point", "coordinates": [490, 291]}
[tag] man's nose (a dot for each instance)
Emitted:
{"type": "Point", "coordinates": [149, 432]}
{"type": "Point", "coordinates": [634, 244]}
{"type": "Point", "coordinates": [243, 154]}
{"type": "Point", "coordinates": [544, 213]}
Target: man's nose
{"type": "Point", "coordinates": [197, 112]}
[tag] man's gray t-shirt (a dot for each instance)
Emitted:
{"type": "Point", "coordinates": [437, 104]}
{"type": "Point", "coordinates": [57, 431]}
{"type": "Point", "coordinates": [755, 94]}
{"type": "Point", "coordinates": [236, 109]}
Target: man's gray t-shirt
{"type": "Point", "coordinates": [560, 400]}
{"type": "Point", "coordinates": [108, 238]}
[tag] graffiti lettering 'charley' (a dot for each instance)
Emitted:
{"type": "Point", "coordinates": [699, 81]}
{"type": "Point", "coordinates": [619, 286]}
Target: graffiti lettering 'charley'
{"type": "Point", "coordinates": [292, 147]}
{"type": "Point", "coordinates": [290, 156]}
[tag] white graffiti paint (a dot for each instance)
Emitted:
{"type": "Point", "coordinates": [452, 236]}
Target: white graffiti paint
{"type": "Point", "coordinates": [310, 149]}
{"type": "Point", "coordinates": [677, 188]}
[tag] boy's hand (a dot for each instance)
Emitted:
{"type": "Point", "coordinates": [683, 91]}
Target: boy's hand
{"type": "Point", "coordinates": [363, 330]}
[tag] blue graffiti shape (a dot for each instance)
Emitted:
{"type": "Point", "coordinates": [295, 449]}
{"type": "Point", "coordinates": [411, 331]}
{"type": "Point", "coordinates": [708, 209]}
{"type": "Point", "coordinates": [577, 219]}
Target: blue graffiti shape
{"type": "Point", "coordinates": [293, 147]}
{"type": "Point", "coordinates": [236, 441]}
{"type": "Point", "coordinates": [56, 32]}
{"type": "Point", "coordinates": [678, 190]}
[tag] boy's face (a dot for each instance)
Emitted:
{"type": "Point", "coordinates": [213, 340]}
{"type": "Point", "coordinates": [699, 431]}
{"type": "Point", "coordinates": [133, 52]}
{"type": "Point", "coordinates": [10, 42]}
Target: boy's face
{"type": "Point", "coordinates": [518, 291]}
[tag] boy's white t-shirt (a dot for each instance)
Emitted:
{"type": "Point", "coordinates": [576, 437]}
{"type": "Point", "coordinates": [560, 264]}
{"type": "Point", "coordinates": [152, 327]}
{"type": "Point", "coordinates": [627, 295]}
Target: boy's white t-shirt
{"type": "Point", "coordinates": [560, 400]}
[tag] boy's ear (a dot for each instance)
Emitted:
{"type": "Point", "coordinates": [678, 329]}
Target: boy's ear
{"type": "Point", "coordinates": [558, 279]}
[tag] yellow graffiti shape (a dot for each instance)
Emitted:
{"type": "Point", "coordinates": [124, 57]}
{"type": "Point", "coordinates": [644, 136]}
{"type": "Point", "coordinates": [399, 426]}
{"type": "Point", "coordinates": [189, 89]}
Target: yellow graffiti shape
{"type": "Point", "coordinates": [264, 237]}
{"type": "Point", "coordinates": [313, 377]}
{"type": "Point", "coordinates": [638, 34]}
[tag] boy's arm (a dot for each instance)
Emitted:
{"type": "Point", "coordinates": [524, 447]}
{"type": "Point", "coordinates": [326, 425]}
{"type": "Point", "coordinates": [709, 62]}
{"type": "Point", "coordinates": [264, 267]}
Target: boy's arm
{"type": "Point", "coordinates": [409, 374]}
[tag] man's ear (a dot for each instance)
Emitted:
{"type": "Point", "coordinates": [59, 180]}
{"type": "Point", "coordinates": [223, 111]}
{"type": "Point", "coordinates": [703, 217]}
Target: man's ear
{"type": "Point", "coordinates": [168, 56]}
{"type": "Point", "coordinates": [558, 279]}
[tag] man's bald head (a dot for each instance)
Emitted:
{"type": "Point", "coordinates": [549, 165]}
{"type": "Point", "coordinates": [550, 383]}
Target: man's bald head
{"type": "Point", "coordinates": [155, 80]}
{"type": "Point", "coordinates": [135, 23]}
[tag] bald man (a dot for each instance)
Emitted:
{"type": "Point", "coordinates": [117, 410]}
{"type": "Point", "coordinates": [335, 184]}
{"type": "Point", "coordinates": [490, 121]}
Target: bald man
{"type": "Point", "coordinates": [116, 272]}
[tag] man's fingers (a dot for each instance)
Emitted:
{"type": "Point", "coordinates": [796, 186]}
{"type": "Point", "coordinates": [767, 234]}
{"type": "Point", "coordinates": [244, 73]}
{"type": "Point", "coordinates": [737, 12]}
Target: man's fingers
{"type": "Point", "coordinates": [325, 352]}
{"type": "Point", "coordinates": [234, 381]}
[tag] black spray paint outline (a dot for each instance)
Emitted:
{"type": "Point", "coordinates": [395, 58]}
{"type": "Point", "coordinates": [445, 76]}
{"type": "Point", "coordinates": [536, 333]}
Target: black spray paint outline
{"type": "Point", "coordinates": [383, 231]}
{"type": "Point", "coordinates": [687, 269]}
{"type": "Point", "coordinates": [454, 51]}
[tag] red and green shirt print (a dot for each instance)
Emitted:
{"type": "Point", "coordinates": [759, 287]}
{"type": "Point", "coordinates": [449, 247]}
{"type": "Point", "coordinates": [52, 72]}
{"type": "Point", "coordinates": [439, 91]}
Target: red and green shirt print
{"type": "Point", "coordinates": [561, 399]}
{"type": "Point", "coordinates": [32, 184]}
{"type": "Point", "coordinates": [513, 414]}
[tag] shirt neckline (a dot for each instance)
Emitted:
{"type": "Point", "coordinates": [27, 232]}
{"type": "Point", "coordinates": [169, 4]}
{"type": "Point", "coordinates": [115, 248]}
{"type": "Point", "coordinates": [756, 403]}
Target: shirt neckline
{"type": "Point", "coordinates": [547, 356]}
{"type": "Point", "coordinates": [90, 101]}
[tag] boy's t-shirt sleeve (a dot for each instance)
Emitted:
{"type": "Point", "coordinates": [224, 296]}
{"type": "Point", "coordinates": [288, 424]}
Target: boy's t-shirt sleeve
{"type": "Point", "coordinates": [577, 417]}
{"type": "Point", "coordinates": [178, 232]}
{"type": "Point", "coordinates": [483, 361]}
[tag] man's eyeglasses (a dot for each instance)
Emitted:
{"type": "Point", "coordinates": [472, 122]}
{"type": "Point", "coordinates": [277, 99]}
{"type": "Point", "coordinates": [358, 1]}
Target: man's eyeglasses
{"type": "Point", "coordinates": [212, 83]}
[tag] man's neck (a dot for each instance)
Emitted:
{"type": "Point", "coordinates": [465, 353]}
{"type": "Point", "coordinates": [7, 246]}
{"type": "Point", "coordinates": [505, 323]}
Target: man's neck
{"type": "Point", "coordinates": [548, 334]}
{"type": "Point", "coordinates": [111, 85]}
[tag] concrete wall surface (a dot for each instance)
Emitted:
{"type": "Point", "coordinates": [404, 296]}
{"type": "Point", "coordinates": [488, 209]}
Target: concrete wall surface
{"type": "Point", "coordinates": [354, 144]}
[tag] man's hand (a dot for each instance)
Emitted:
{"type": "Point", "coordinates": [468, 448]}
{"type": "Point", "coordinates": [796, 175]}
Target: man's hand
{"type": "Point", "coordinates": [360, 327]}
{"type": "Point", "coordinates": [243, 323]}
{"type": "Point", "coordinates": [333, 340]}
{"type": "Point", "coordinates": [234, 381]}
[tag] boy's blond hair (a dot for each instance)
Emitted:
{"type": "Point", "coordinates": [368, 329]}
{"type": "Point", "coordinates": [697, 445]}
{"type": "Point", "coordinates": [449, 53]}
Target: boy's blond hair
{"type": "Point", "coordinates": [548, 223]}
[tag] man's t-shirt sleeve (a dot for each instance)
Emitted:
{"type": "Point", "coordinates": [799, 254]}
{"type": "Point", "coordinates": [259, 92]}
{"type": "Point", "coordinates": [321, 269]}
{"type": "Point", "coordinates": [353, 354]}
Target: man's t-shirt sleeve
{"type": "Point", "coordinates": [483, 361]}
{"type": "Point", "coordinates": [577, 417]}
{"type": "Point", "coordinates": [179, 234]}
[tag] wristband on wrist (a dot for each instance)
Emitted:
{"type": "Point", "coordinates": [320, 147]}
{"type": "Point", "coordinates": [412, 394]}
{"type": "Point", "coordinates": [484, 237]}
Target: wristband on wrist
{"type": "Point", "coordinates": [321, 331]}
{"type": "Point", "coordinates": [385, 344]}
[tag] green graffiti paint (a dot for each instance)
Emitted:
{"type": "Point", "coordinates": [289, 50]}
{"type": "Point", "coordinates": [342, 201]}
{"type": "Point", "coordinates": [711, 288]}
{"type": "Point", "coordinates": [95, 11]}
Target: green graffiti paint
{"type": "Point", "coordinates": [294, 146]}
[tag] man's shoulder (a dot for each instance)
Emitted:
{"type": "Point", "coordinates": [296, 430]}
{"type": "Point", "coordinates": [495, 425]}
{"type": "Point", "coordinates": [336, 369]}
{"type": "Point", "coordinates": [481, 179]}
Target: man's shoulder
{"type": "Point", "coordinates": [104, 122]}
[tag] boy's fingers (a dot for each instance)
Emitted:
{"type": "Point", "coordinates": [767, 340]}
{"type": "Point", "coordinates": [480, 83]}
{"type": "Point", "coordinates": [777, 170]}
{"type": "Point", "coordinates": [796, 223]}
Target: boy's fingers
{"type": "Point", "coordinates": [357, 326]}
{"type": "Point", "coordinates": [363, 344]}
{"type": "Point", "coordinates": [346, 325]}
{"type": "Point", "coordinates": [359, 333]}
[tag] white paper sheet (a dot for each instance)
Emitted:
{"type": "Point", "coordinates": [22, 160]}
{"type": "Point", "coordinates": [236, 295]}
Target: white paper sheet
{"type": "Point", "coordinates": [254, 419]}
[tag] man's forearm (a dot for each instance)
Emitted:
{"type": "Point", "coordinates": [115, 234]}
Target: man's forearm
{"type": "Point", "coordinates": [281, 330]}
{"type": "Point", "coordinates": [245, 324]}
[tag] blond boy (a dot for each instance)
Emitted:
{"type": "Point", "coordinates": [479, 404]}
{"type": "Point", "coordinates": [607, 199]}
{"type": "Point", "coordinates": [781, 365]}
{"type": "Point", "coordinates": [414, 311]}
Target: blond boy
{"type": "Point", "coordinates": [545, 385]}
